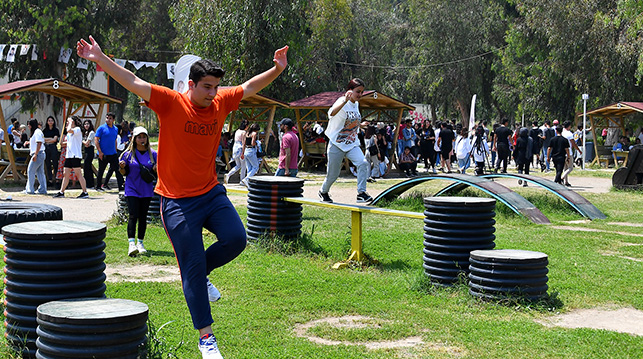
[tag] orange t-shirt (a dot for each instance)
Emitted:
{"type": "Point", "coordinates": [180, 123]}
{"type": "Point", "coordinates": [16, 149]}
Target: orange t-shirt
{"type": "Point", "coordinates": [188, 140]}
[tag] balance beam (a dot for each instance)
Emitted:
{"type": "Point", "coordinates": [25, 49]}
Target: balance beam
{"type": "Point", "coordinates": [356, 221]}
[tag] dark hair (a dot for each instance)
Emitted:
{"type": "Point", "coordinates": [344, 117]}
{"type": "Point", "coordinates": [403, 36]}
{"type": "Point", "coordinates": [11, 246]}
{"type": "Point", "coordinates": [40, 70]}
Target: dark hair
{"type": "Point", "coordinates": [567, 124]}
{"type": "Point", "coordinates": [203, 68]}
{"type": "Point", "coordinates": [33, 125]}
{"type": "Point", "coordinates": [14, 120]}
{"type": "Point", "coordinates": [77, 121]}
{"type": "Point", "coordinates": [87, 131]}
{"type": "Point", "coordinates": [355, 83]}
{"type": "Point", "coordinates": [547, 122]}
{"type": "Point", "coordinates": [47, 122]}
{"type": "Point", "coordinates": [243, 124]}
{"type": "Point", "coordinates": [534, 123]}
{"type": "Point", "coordinates": [253, 128]}
{"type": "Point", "coordinates": [559, 129]}
{"type": "Point", "coordinates": [112, 115]}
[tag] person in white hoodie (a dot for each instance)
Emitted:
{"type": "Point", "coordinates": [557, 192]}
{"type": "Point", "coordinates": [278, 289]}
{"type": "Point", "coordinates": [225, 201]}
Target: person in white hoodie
{"type": "Point", "coordinates": [343, 127]}
{"type": "Point", "coordinates": [463, 150]}
{"type": "Point", "coordinates": [479, 150]}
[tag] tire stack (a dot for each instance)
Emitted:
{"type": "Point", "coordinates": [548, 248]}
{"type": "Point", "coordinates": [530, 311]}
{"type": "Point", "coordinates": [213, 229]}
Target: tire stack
{"type": "Point", "coordinates": [154, 214]}
{"type": "Point", "coordinates": [28, 212]}
{"type": "Point", "coordinates": [453, 227]}
{"type": "Point", "coordinates": [46, 261]}
{"type": "Point", "coordinates": [92, 328]}
{"type": "Point", "coordinates": [508, 273]}
{"type": "Point", "coordinates": [268, 214]}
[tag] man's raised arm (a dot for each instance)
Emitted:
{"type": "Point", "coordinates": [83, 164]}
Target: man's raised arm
{"type": "Point", "coordinates": [92, 52]}
{"type": "Point", "coordinates": [262, 80]}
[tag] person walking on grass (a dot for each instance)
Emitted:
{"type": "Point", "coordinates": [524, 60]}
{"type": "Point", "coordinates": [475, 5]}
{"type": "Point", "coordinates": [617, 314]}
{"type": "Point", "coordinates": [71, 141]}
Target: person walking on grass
{"type": "Point", "coordinates": [73, 156]}
{"type": "Point", "coordinates": [36, 167]}
{"type": "Point", "coordinates": [343, 126]}
{"type": "Point", "coordinates": [105, 141]}
{"type": "Point", "coordinates": [191, 196]}
{"type": "Point", "coordinates": [288, 150]}
{"type": "Point", "coordinates": [139, 187]}
{"type": "Point", "coordinates": [569, 163]}
{"type": "Point", "coordinates": [559, 152]}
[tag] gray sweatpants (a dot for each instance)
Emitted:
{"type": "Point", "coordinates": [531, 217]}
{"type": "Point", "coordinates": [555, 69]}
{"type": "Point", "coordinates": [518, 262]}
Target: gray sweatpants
{"type": "Point", "coordinates": [335, 158]}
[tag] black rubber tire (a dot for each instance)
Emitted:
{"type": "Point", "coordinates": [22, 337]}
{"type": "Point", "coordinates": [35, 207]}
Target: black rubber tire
{"type": "Point", "coordinates": [28, 212]}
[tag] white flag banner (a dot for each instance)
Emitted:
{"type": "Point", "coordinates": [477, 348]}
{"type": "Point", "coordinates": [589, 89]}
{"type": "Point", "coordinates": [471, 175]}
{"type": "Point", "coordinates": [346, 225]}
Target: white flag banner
{"type": "Point", "coordinates": [24, 49]}
{"type": "Point", "coordinates": [11, 56]}
{"type": "Point", "coordinates": [82, 63]}
{"type": "Point", "coordinates": [136, 64]}
{"type": "Point", "coordinates": [151, 64]}
{"type": "Point", "coordinates": [2, 46]}
{"type": "Point", "coordinates": [182, 72]}
{"type": "Point", "coordinates": [120, 62]}
{"type": "Point", "coordinates": [169, 67]}
{"type": "Point", "coordinates": [65, 55]}
{"type": "Point", "coordinates": [34, 53]}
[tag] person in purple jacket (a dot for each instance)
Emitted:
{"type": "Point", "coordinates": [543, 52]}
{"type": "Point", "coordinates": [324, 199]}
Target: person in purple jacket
{"type": "Point", "coordinates": [139, 186]}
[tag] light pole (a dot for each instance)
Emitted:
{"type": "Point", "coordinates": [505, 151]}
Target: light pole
{"type": "Point", "coordinates": [585, 98]}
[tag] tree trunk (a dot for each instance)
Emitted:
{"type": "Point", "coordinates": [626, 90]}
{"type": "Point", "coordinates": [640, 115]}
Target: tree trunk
{"type": "Point", "coordinates": [464, 112]}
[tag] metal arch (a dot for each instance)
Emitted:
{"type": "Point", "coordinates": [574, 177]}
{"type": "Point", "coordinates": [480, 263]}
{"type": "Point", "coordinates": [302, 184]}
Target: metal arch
{"type": "Point", "coordinates": [578, 202]}
{"type": "Point", "coordinates": [511, 199]}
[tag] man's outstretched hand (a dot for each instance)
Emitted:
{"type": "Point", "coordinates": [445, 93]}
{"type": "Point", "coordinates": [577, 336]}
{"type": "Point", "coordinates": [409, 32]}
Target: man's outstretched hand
{"type": "Point", "coordinates": [91, 52]}
{"type": "Point", "coordinates": [281, 60]}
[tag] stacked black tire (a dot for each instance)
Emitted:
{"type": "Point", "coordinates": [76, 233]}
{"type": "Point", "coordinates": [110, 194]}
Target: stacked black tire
{"type": "Point", "coordinates": [92, 328]}
{"type": "Point", "coordinates": [453, 227]}
{"type": "Point", "coordinates": [46, 261]}
{"type": "Point", "coordinates": [508, 274]}
{"type": "Point", "coordinates": [28, 212]}
{"type": "Point", "coordinates": [268, 213]}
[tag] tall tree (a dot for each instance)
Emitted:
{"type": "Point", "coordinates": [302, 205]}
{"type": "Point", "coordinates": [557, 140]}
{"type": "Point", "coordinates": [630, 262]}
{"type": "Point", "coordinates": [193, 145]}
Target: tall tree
{"type": "Point", "coordinates": [242, 35]}
{"type": "Point", "coordinates": [454, 45]}
{"type": "Point", "coordinates": [52, 25]}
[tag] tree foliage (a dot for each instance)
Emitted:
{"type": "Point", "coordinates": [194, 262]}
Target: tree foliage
{"type": "Point", "coordinates": [531, 57]}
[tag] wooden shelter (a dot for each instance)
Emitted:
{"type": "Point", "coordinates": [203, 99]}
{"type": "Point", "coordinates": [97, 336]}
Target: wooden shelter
{"type": "Point", "coordinates": [610, 116]}
{"type": "Point", "coordinates": [375, 107]}
{"type": "Point", "coordinates": [79, 102]}
{"type": "Point", "coordinates": [257, 108]}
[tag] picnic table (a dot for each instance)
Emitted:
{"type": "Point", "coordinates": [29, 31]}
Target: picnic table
{"type": "Point", "coordinates": [22, 158]}
{"type": "Point", "coordinates": [620, 154]}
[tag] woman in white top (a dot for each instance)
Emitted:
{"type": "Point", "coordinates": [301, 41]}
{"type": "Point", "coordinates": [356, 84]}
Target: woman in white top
{"type": "Point", "coordinates": [36, 165]}
{"type": "Point", "coordinates": [73, 156]}
{"type": "Point", "coordinates": [240, 165]}
{"type": "Point", "coordinates": [343, 126]}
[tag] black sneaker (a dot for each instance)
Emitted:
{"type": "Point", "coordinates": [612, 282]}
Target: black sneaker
{"type": "Point", "coordinates": [325, 197]}
{"type": "Point", "coordinates": [99, 189]}
{"type": "Point", "coordinates": [364, 198]}
{"type": "Point", "coordinates": [59, 195]}
{"type": "Point", "coordinates": [106, 187]}
{"type": "Point", "coordinates": [83, 195]}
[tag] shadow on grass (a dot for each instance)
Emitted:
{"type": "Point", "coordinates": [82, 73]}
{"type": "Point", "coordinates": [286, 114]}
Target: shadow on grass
{"type": "Point", "coordinates": [160, 253]}
{"type": "Point", "coordinates": [550, 302]}
{"type": "Point", "coordinates": [303, 244]}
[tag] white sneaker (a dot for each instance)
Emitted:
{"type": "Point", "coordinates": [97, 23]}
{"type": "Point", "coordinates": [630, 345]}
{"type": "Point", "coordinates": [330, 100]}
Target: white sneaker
{"type": "Point", "coordinates": [213, 292]}
{"type": "Point", "coordinates": [208, 347]}
{"type": "Point", "coordinates": [226, 178]}
{"type": "Point", "coordinates": [132, 251]}
{"type": "Point", "coordinates": [141, 248]}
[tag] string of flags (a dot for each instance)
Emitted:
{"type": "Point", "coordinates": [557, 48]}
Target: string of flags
{"type": "Point", "coordinates": [16, 51]}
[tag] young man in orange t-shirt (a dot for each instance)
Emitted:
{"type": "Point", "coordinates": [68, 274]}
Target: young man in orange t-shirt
{"type": "Point", "coordinates": [192, 199]}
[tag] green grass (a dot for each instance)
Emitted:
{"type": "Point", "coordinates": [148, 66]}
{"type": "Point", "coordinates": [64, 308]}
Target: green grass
{"type": "Point", "coordinates": [274, 285]}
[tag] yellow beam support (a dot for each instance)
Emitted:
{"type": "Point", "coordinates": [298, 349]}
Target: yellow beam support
{"type": "Point", "coordinates": [356, 237]}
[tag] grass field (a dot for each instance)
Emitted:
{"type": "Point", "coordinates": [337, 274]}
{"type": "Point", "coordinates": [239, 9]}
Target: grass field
{"type": "Point", "coordinates": [274, 287]}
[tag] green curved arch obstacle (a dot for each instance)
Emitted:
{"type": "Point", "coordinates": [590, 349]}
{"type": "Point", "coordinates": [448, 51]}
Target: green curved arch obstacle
{"type": "Point", "coordinates": [511, 199]}
{"type": "Point", "coordinates": [578, 202]}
